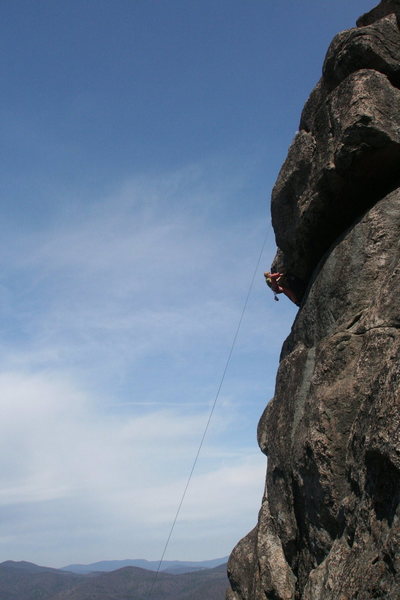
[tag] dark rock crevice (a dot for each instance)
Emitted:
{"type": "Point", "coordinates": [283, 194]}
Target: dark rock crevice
{"type": "Point", "coordinates": [382, 485]}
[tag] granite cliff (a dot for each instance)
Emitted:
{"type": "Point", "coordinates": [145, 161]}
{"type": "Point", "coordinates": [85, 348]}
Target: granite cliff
{"type": "Point", "coordinates": [328, 527]}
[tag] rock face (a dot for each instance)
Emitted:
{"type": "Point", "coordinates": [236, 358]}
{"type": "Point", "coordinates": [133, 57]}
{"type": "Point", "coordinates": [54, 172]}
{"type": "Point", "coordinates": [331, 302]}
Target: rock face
{"type": "Point", "coordinates": [329, 525]}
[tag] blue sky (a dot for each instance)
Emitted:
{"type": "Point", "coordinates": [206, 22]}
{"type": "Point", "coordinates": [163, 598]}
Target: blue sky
{"type": "Point", "coordinates": [141, 140]}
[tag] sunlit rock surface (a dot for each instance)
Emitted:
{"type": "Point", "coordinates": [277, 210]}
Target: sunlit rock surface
{"type": "Point", "coordinates": [328, 526]}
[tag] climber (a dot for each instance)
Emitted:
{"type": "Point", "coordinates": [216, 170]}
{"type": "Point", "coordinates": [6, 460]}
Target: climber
{"type": "Point", "coordinates": [279, 285]}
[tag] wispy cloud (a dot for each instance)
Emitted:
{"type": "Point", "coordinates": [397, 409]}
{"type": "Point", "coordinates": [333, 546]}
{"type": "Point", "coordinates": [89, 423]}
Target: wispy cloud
{"type": "Point", "coordinates": [117, 324]}
{"type": "Point", "coordinates": [123, 472]}
{"type": "Point", "coordinates": [138, 273]}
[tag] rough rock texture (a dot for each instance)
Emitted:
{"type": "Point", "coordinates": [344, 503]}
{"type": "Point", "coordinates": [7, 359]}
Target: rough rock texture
{"type": "Point", "coordinates": [329, 526]}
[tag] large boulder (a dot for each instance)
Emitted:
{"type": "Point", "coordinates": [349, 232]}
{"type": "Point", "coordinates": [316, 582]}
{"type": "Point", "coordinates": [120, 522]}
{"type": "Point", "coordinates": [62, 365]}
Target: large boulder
{"type": "Point", "coordinates": [346, 153]}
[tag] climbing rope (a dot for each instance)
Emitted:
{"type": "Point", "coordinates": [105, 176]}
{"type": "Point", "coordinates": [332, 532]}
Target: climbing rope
{"type": "Point", "coordinates": [228, 360]}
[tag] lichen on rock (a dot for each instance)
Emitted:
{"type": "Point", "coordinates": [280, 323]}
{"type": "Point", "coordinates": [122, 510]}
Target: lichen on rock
{"type": "Point", "coordinates": [328, 527]}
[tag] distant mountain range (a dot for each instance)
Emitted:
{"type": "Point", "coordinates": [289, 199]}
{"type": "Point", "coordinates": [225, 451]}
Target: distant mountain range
{"type": "Point", "coordinates": [27, 581]}
{"type": "Point", "coordinates": [168, 566]}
